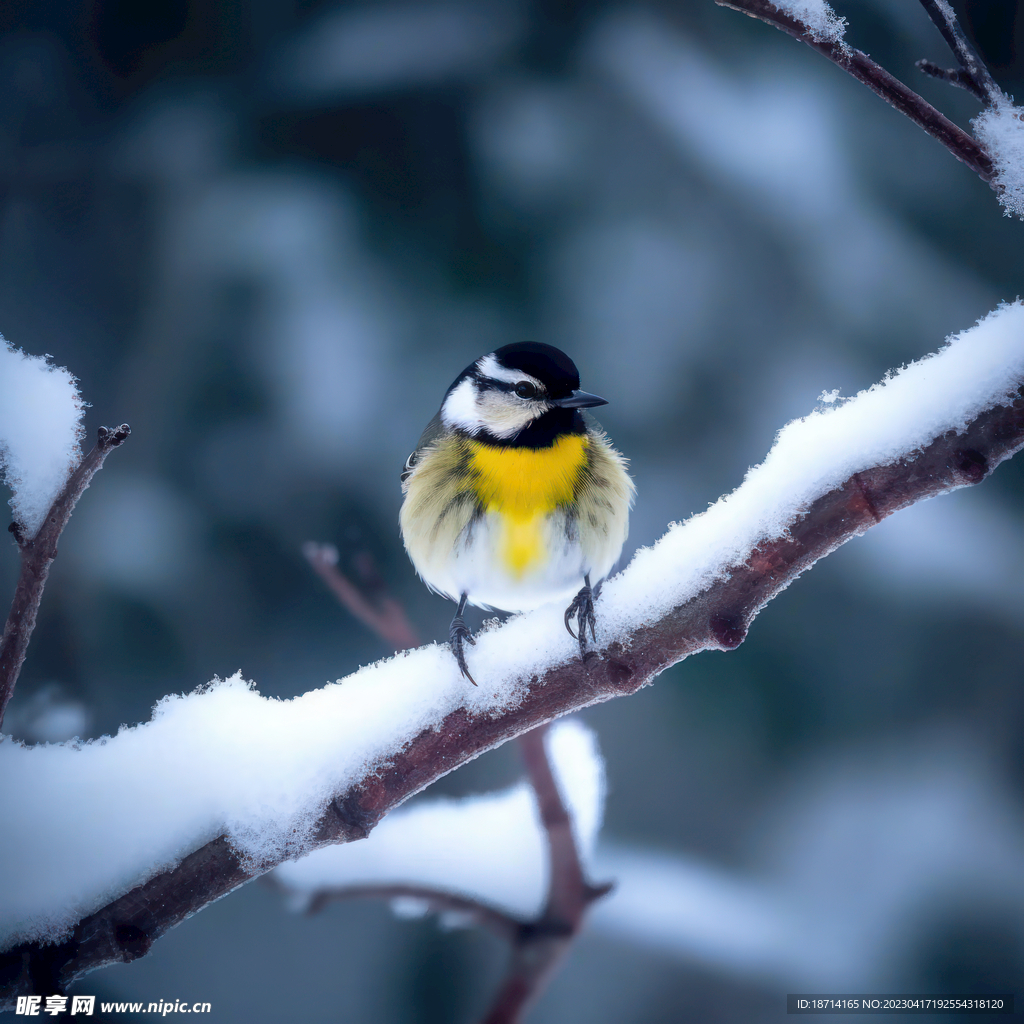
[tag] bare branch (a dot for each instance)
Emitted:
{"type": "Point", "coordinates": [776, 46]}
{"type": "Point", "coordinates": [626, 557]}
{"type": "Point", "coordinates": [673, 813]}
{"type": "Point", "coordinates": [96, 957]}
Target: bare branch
{"type": "Point", "coordinates": [503, 925]}
{"type": "Point", "coordinates": [37, 554]}
{"type": "Point", "coordinates": [716, 619]}
{"type": "Point", "coordinates": [954, 76]}
{"type": "Point", "coordinates": [539, 949]}
{"type": "Point", "coordinates": [386, 616]}
{"type": "Point", "coordinates": [964, 147]}
{"type": "Point", "coordinates": [974, 74]}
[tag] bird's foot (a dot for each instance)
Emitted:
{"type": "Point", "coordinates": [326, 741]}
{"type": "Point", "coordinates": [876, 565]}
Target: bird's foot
{"type": "Point", "coordinates": [458, 633]}
{"type": "Point", "coordinates": [582, 609]}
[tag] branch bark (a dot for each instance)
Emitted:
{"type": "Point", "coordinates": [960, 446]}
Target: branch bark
{"type": "Point", "coordinates": [539, 948]}
{"type": "Point", "coordinates": [973, 75]}
{"type": "Point", "coordinates": [716, 619]}
{"type": "Point", "coordinates": [502, 925]}
{"type": "Point", "coordinates": [37, 555]}
{"type": "Point", "coordinates": [964, 147]}
{"type": "Point", "coordinates": [386, 617]}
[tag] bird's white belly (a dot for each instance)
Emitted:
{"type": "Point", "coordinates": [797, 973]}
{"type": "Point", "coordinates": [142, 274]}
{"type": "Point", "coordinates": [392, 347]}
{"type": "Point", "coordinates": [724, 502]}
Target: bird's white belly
{"type": "Point", "coordinates": [480, 564]}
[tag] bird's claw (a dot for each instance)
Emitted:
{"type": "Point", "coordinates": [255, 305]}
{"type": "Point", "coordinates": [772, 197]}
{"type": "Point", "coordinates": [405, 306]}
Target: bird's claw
{"type": "Point", "coordinates": [458, 633]}
{"type": "Point", "coordinates": [582, 608]}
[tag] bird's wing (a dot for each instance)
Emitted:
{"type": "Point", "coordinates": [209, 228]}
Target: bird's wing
{"type": "Point", "coordinates": [431, 433]}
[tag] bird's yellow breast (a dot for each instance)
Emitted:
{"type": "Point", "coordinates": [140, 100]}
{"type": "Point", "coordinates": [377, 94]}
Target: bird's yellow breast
{"type": "Point", "coordinates": [523, 486]}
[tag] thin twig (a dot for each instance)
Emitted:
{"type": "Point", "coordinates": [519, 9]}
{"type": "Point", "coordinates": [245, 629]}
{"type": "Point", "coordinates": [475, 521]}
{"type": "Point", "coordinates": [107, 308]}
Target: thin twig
{"type": "Point", "coordinates": [37, 554]}
{"type": "Point", "coordinates": [716, 619]}
{"type": "Point", "coordinates": [504, 926]}
{"type": "Point", "coordinates": [964, 147]}
{"type": "Point", "coordinates": [539, 949]}
{"type": "Point", "coordinates": [975, 75]}
{"type": "Point", "coordinates": [954, 76]}
{"type": "Point", "coordinates": [386, 616]}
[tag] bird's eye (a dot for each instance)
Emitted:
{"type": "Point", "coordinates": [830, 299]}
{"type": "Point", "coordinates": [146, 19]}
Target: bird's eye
{"type": "Point", "coordinates": [524, 389]}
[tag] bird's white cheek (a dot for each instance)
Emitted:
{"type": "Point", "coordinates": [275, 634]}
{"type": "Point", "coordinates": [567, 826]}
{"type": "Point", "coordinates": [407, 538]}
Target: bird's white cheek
{"type": "Point", "coordinates": [504, 416]}
{"type": "Point", "coordinates": [469, 409]}
{"type": "Point", "coordinates": [460, 408]}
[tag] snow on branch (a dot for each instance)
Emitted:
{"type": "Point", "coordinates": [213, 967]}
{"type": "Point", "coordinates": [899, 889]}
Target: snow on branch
{"type": "Point", "coordinates": [1001, 129]}
{"type": "Point", "coordinates": [997, 152]}
{"type": "Point", "coordinates": [489, 849]}
{"type": "Point", "coordinates": [40, 432]}
{"type": "Point", "coordinates": [223, 784]}
{"type": "Point", "coordinates": [823, 24]}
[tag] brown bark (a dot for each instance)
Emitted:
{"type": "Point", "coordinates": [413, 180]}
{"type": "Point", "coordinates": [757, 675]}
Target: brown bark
{"type": "Point", "coordinates": [38, 553]}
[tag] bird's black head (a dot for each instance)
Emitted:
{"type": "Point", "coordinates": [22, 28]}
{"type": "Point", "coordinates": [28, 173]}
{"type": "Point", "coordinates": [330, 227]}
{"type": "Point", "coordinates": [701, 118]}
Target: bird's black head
{"type": "Point", "coordinates": [522, 394]}
{"type": "Point", "coordinates": [545, 363]}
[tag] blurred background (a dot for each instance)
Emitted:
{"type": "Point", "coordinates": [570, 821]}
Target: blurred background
{"type": "Point", "coordinates": [269, 234]}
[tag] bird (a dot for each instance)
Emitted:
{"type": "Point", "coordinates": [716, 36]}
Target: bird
{"type": "Point", "coordinates": [514, 497]}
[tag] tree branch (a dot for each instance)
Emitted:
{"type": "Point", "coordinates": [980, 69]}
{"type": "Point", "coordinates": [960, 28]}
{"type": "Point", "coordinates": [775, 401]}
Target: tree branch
{"type": "Point", "coordinates": [715, 619]}
{"type": "Point", "coordinates": [539, 948]}
{"type": "Point", "coordinates": [973, 75]}
{"type": "Point", "coordinates": [38, 553]}
{"type": "Point", "coordinates": [386, 617]}
{"type": "Point", "coordinates": [500, 924]}
{"type": "Point", "coordinates": [964, 147]}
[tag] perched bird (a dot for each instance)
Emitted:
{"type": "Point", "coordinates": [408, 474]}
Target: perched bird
{"type": "Point", "coordinates": [513, 498]}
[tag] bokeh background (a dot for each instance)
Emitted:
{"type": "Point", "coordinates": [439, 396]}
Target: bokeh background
{"type": "Point", "coordinates": [269, 234]}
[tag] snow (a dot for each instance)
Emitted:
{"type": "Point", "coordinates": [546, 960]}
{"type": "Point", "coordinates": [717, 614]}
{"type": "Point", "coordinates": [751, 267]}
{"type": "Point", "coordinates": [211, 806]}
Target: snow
{"type": "Point", "coordinates": [490, 848]}
{"type": "Point", "coordinates": [40, 430]}
{"type": "Point", "coordinates": [1000, 130]}
{"type": "Point", "coordinates": [85, 822]}
{"type": "Point", "coordinates": [824, 24]}
{"type": "Point", "coordinates": [977, 369]}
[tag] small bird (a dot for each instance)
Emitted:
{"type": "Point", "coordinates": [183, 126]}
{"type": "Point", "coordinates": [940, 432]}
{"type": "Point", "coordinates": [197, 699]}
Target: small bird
{"type": "Point", "coordinates": [512, 497]}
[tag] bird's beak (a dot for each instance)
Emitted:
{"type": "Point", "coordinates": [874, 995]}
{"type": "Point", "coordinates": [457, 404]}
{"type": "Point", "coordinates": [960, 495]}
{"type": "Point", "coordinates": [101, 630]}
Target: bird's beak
{"type": "Point", "coordinates": [579, 400]}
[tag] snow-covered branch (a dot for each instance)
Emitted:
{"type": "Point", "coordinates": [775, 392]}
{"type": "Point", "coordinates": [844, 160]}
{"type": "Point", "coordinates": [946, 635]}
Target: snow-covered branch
{"type": "Point", "coordinates": [37, 554]}
{"type": "Point", "coordinates": [813, 23]}
{"type": "Point", "coordinates": [972, 74]}
{"type": "Point", "coordinates": [40, 430]}
{"type": "Point", "coordinates": [223, 784]}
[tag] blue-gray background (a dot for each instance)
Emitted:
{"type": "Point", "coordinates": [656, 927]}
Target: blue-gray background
{"type": "Point", "coordinates": [269, 234]}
